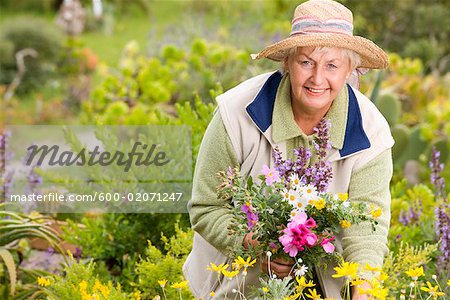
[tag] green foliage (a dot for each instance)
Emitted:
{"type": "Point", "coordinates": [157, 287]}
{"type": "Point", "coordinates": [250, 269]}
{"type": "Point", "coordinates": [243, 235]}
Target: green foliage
{"type": "Point", "coordinates": [276, 289]}
{"type": "Point", "coordinates": [415, 206]}
{"type": "Point", "coordinates": [390, 107]}
{"type": "Point", "coordinates": [406, 27]}
{"type": "Point", "coordinates": [416, 146]}
{"type": "Point", "coordinates": [401, 134]}
{"type": "Point", "coordinates": [48, 6]}
{"type": "Point", "coordinates": [32, 33]}
{"type": "Point", "coordinates": [118, 239]}
{"type": "Point", "coordinates": [175, 76]}
{"type": "Point", "coordinates": [157, 266]}
{"type": "Point", "coordinates": [81, 282]}
{"type": "Point", "coordinates": [407, 257]}
{"type": "Point", "coordinates": [13, 228]}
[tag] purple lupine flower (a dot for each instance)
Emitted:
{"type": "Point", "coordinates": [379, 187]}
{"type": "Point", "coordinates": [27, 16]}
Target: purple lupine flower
{"type": "Point", "coordinates": [303, 157]}
{"type": "Point", "coordinates": [5, 156]}
{"type": "Point", "coordinates": [282, 166]}
{"type": "Point", "coordinates": [442, 213]}
{"type": "Point", "coordinates": [436, 169]}
{"type": "Point", "coordinates": [33, 180]}
{"type": "Point", "coordinates": [77, 254]}
{"type": "Point", "coordinates": [323, 138]}
{"type": "Point", "coordinates": [320, 174]}
{"type": "Point", "coordinates": [412, 215]}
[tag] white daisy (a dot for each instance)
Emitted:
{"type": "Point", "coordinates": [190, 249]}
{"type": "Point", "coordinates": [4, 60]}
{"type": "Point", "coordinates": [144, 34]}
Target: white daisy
{"type": "Point", "coordinates": [295, 181]}
{"type": "Point", "coordinates": [308, 192]}
{"type": "Point", "coordinates": [301, 271]}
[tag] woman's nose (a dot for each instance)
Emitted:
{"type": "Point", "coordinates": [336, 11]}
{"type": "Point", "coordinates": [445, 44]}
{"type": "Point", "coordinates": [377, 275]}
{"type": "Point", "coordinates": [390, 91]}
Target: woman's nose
{"type": "Point", "coordinates": [317, 76]}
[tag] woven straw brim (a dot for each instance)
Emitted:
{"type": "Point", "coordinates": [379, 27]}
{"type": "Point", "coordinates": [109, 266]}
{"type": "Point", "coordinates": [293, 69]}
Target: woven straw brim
{"type": "Point", "coordinates": [372, 56]}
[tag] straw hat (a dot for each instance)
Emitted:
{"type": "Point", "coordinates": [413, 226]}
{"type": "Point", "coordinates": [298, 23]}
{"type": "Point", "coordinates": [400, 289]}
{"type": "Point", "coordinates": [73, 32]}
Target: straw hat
{"type": "Point", "coordinates": [326, 23]}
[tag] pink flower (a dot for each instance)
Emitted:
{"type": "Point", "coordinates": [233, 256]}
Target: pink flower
{"type": "Point", "coordinates": [327, 246]}
{"type": "Point", "coordinates": [311, 239]}
{"type": "Point", "coordinates": [272, 175]}
{"type": "Point", "coordinates": [252, 217]}
{"type": "Point", "coordinates": [298, 234]}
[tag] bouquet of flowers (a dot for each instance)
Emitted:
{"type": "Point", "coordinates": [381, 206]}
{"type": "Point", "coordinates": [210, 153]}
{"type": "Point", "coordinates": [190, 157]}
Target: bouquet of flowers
{"type": "Point", "coordinates": [289, 209]}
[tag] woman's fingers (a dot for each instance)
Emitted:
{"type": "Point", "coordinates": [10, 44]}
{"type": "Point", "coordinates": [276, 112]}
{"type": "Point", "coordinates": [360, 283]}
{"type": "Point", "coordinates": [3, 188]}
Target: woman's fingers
{"type": "Point", "coordinates": [248, 240]}
{"type": "Point", "coordinates": [280, 267]}
{"type": "Point", "coordinates": [284, 261]}
{"type": "Point", "coordinates": [281, 270]}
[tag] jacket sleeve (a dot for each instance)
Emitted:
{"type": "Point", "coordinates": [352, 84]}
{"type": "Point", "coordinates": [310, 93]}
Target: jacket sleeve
{"type": "Point", "coordinates": [209, 215]}
{"type": "Point", "coordinates": [370, 184]}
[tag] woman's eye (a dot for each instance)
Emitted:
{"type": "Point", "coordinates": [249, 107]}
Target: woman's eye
{"type": "Point", "coordinates": [305, 63]}
{"type": "Point", "coordinates": [332, 66]}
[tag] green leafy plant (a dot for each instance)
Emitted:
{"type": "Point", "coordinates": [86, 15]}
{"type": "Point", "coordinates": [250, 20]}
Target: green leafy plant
{"type": "Point", "coordinates": [14, 227]}
{"type": "Point", "coordinates": [34, 33]}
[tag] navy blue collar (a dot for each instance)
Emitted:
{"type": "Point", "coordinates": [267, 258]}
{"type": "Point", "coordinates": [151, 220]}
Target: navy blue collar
{"type": "Point", "coordinates": [261, 108]}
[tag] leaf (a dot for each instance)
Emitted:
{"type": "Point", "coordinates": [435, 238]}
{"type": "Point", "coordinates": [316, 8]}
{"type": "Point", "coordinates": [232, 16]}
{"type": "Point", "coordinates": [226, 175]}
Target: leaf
{"type": "Point", "coordinates": [11, 267]}
{"type": "Point", "coordinates": [250, 182]}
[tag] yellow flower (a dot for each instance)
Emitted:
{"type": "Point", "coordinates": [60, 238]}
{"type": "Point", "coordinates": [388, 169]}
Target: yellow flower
{"type": "Point", "coordinates": [448, 282]}
{"type": "Point", "coordinates": [345, 224]}
{"type": "Point", "coordinates": [346, 269]}
{"type": "Point", "coordinates": [356, 282]}
{"type": "Point", "coordinates": [42, 281]}
{"type": "Point", "coordinates": [83, 285]}
{"type": "Point", "coordinates": [162, 283]}
{"type": "Point", "coordinates": [368, 267]}
{"type": "Point", "coordinates": [265, 289]}
{"type": "Point", "coordinates": [218, 268]}
{"type": "Point", "coordinates": [137, 295]}
{"type": "Point", "coordinates": [313, 295]}
{"type": "Point", "coordinates": [376, 213]}
{"type": "Point", "coordinates": [241, 263]}
{"type": "Point", "coordinates": [212, 294]}
{"type": "Point", "coordinates": [229, 274]}
{"type": "Point", "coordinates": [103, 289]}
{"type": "Point", "coordinates": [382, 277]}
{"type": "Point", "coordinates": [319, 204]}
{"type": "Point", "coordinates": [302, 282]}
{"type": "Point", "coordinates": [432, 290]}
{"type": "Point", "coordinates": [343, 196]}
{"type": "Point", "coordinates": [180, 285]}
{"type": "Point", "coordinates": [415, 273]}
{"type": "Point", "coordinates": [292, 297]}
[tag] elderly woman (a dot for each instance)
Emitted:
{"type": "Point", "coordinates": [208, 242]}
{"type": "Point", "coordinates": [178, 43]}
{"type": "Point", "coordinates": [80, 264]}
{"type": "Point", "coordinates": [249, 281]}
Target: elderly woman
{"type": "Point", "coordinates": [281, 109]}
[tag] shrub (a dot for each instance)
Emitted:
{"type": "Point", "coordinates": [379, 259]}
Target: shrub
{"type": "Point", "coordinates": [32, 33]}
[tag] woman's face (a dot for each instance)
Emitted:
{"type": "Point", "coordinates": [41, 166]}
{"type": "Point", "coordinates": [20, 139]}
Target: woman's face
{"type": "Point", "coordinates": [316, 78]}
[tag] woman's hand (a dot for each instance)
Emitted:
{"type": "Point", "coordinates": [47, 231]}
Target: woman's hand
{"type": "Point", "coordinates": [357, 295]}
{"type": "Point", "coordinates": [279, 266]}
{"type": "Point", "coordinates": [248, 240]}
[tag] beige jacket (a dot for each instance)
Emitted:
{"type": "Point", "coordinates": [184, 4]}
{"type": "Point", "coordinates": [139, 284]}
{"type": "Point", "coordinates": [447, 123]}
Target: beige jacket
{"type": "Point", "coordinates": [246, 111]}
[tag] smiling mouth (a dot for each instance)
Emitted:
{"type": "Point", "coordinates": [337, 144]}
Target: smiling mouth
{"type": "Point", "coordinates": [315, 91]}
